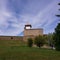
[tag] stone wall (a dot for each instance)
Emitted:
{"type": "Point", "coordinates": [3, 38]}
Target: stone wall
{"type": "Point", "coordinates": [34, 32]}
{"type": "Point", "coordinates": [11, 38]}
{"type": "Point", "coordinates": [28, 33]}
{"type": "Point", "coordinates": [26, 37]}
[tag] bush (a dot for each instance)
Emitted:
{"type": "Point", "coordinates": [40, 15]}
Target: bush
{"type": "Point", "coordinates": [39, 41]}
{"type": "Point", "coordinates": [30, 42]}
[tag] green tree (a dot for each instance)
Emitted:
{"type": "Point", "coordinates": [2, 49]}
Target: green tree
{"type": "Point", "coordinates": [50, 39]}
{"type": "Point", "coordinates": [30, 42]}
{"type": "Point", "coordinates": [39, 41]}
{"type": "Point", "coordinates": [45, 39]}
{"type": "Point", "coordinates": [57, 37]}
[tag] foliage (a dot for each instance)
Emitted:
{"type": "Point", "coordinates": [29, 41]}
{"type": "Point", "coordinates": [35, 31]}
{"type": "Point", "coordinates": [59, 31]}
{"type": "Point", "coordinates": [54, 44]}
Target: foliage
{"type": "Point", "coordinates": [50, 39]}
{"type": "Point", "coordinates": [45, 39]}
{"type": "Point", "coordinates": [30, 42]}
{"type": "Point", "coordinates": [57, 37]}
{"type": "Point", "coordinates": [39, 41]}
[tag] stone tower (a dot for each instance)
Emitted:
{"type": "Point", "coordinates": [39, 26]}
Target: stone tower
{"type": "Point", "coordinates": [29, 32]}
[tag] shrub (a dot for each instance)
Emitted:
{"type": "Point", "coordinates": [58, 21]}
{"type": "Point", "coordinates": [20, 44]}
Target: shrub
{"type": "Point", "coordinates": [39, 41]}
{"type": "Point", "coordinates": [30, 42]}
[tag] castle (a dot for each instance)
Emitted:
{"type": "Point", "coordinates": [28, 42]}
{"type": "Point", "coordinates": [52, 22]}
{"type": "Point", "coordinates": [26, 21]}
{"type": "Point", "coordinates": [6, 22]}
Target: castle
{"type": "Point", "coordinates": [28, 33]}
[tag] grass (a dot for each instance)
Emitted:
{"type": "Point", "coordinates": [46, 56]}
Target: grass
{"type": "Point", "coordinates": [15, 50]}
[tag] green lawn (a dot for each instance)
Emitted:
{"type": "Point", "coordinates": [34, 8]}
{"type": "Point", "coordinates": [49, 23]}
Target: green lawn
{"type": "Point", "coordinates": [15, 50]}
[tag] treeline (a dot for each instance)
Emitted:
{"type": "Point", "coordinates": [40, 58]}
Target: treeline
{"type": "Point", "coordinates": [51, 39]}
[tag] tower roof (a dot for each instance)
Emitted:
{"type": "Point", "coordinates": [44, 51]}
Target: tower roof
{"type": "Point", "coordinates": [28, 24]}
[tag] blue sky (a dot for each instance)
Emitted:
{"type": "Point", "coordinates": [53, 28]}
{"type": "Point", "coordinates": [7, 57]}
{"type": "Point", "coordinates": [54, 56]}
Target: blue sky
{"type": "Point", "coordinates": [14, 14]}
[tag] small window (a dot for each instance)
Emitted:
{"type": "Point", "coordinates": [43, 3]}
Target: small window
{"type": "Point", "coordinates": [11, 37]}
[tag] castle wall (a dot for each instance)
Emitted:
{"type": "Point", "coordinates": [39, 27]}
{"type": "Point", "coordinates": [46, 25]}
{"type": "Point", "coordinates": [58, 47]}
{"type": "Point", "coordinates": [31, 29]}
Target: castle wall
{"type": "Point", "coordinates": [11, 38]}
{"type": "Point", "coordinates": [26, 37]}
{"type": "Point", "coordinates": [34, 32]}
{"type": "Point", "coordinates": [28, 33]}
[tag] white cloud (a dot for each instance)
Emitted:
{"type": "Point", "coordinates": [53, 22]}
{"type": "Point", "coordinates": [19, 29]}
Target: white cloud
{"type": "Point", "coordinates": [32, 13]}
{"type": "Point", "coordinates": [5, 16]}
{"type": "Point", "coordinates": [46, 16]}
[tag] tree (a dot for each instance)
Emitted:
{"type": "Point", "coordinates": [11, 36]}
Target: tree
{"type": "Point", "coordinates": [45, 39]}
{"type": "Point", "coordinates": [30, 42]}
{"type": "Point", "coordinates": [58, 15]}
{"type": "Point", "coordinates": [39, 41]}
{"type": "Point", "coordinates": [50, 39]}
{"type": "Point", "coordinates": [57, 37]}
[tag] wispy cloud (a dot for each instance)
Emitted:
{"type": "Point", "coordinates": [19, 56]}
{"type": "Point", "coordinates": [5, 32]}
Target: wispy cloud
{"type": "Point", "coordinates": [14, 14]}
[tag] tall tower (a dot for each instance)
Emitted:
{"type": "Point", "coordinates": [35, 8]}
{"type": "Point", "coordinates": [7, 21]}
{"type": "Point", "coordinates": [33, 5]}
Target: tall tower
{"type": "Point", "coordinates": [30, 32]}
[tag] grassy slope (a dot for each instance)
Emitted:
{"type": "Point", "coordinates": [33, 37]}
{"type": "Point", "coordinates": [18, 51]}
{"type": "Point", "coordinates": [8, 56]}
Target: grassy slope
{"type": "Point", "coordinates": [13, 50]}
